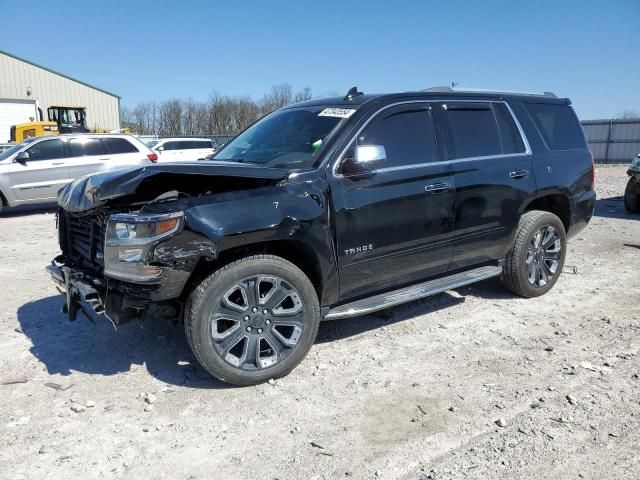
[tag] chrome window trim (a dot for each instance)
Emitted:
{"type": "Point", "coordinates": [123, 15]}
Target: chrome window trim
{"type": "Point", "coordinates": [525, 141]}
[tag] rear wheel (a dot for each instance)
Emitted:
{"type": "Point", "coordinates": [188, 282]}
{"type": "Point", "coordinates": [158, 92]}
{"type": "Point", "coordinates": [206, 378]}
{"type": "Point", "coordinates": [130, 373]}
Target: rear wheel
{"type": "Point", "coordinates": [632, 196]}
{"type": "Point", "coordinates": [536, 259]}
{"type": "Point", "coordinates": [252, 320]}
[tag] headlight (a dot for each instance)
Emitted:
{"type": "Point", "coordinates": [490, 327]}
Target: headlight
{"type": "Point", "coordinates": [129, 241]}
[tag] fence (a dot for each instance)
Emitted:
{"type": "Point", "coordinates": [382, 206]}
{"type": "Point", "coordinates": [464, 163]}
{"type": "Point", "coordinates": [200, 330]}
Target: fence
{"type": "Point", "coordinates": [613, 141]}
{"type": "Point", "coordinates": [217, 139]}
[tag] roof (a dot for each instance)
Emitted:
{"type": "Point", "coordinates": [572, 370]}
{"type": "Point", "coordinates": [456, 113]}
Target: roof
{"type": "Point", "coordinates": [437, 92]}
{"type": "Point", "coordinates": [58, 73]}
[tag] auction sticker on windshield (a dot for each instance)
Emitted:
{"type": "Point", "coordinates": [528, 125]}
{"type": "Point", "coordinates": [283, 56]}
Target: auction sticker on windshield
{"type": "Point", "coordinates": [337, 112]}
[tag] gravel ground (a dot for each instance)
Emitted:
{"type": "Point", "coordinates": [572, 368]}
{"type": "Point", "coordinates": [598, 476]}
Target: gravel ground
{"type": "Point", "coordinates": [472, 383]}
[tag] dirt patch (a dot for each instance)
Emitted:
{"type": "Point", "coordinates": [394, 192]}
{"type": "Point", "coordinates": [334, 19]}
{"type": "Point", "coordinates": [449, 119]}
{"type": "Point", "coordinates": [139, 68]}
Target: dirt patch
{"type": "Point", "coordinates": [414, 393]}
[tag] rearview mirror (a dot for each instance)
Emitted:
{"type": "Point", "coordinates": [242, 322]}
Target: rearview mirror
{"type": "Point", "coordinates": [22, 157]}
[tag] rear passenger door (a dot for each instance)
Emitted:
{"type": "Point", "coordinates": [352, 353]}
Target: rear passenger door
{"type": "Point", "coordinates": [87, 155]}
{"type": "Point", "coordinates": [491, 162]}
{"type": "Point", "coordinates": [393, 224]}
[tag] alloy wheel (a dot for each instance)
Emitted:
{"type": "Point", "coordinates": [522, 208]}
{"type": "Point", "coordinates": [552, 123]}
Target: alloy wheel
{"type": "Point", "coordinates": [543, 256]}
{"type": "Point", "coordinates": [258, 322]}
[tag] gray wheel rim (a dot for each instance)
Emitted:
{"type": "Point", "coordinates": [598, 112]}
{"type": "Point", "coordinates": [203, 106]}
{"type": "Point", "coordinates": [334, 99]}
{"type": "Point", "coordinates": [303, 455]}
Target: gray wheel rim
{"type": "Point", "coordinates": [543, 256]}
{"type": "Point", "coordinates": [257, 323]}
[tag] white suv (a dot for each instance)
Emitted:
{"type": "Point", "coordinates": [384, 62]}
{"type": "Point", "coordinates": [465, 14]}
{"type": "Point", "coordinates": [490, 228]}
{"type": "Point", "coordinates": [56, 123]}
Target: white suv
{"type": "Point", "coordinates": [182, 149]}
{"type": "Point", "coordinates": [34, 170]}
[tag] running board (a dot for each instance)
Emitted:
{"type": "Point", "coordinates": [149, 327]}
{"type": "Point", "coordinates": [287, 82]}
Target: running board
{"type": "Point", "coordinates": [414, 292]}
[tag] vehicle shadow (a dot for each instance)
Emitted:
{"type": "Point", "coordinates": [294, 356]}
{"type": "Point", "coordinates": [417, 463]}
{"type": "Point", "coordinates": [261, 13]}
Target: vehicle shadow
{"type": "Point", "coordinates": [26, 210]}
{"type": "Point", "coordinates": [161, 347]}
{"type": "Point", "coordinates": [340, 329]}
{"type": "Point", "coordinates": [613, 207]}
{"type": "Point", "coordinates": [80, 346]}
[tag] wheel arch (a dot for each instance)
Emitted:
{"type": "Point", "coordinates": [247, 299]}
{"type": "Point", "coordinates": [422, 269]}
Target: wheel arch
{"type": "Point", "coordinates": [556, 203]}
{"type": "Point", "coordinates": [301, 254]}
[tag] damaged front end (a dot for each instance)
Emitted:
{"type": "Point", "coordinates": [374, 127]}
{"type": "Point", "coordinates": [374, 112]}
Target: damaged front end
{"type": "Point", "coordinates": [125, 236]}
{"type": "Point", "coordinates": [118, 264]}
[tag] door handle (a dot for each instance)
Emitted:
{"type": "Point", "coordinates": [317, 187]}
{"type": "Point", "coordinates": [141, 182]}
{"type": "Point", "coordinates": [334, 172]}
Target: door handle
{"type": "Point", "coordinates": [57, 163]}
{"type": "Point", "coordinates": [519, 173]}
{"type": "Point", "coordinates": [437, 187]}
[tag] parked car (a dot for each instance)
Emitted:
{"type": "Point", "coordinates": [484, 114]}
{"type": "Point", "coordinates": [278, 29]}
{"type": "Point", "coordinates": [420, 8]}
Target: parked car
{"type": "Point", "coordinates": [33, 171]}
{"type": "Point", "coordinates": [632, 191]}
{"type": "Point", "coordinates": [182, 149]}
{"type": "Point", "coordinates": [329, 209]}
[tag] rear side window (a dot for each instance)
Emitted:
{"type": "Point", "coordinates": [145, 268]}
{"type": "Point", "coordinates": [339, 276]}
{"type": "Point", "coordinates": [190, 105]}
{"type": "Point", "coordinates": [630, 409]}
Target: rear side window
{"type": "Point", "coordinates": [509, 134]}
{"type": "Point", "coordinates": [80, 147]}
{"type": "Point", "coordinates": [407, 137]}
{"type": "Point", "coordinates": [119, 145]}
{"type": "Point", "coordinates": [558, 125]}
{"type": "Point", "coordinates": [469, 129]}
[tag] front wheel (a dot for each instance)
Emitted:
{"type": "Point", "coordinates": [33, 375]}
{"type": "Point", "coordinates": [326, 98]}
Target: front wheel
{"type": "Point", "coordinates": [252, 320]}
{"type": "Point", "coordinates": [632, 196]}
{"type": "Point", "coordinates": [536, 259]}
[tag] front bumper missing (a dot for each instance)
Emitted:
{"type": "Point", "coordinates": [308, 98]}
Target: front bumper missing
{"type": "Point", "coordinates": [79, 294]}
{"type": "Point", "coordinates": [89, 295]}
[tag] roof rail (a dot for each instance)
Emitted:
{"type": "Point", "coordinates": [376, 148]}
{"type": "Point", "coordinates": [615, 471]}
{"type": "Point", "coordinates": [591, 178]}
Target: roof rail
{"type": "Point", "coordinates": [480, 90]}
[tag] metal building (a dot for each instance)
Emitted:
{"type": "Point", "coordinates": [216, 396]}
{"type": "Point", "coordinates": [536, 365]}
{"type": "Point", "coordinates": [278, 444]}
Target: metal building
{"type": "Point", "coordinates": [613, 141]}
{"type": "Point", "coordinates": [23, 80]}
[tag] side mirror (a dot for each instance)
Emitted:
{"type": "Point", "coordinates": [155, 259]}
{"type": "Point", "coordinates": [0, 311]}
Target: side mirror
{"type": "Point", "coordinates": [160, 149]}
{"type": "Point", "coordinates": [370, 155]}
{"type": "Point", "coordinates": [364, 160]}
{"type": "Point", "coordinates": [22, 157]}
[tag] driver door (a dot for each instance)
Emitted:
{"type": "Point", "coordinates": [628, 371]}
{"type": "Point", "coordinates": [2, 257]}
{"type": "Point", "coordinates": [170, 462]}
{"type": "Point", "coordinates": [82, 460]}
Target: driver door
{"type": "Point", "coordinates": [42, 174]}
{"type": "Point", "coordinates": [394, 224]}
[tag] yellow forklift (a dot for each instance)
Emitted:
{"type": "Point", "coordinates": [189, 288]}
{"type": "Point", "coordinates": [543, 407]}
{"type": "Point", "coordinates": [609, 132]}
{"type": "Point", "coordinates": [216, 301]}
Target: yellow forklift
{"type": "Point", "coordinates": [62, 119]}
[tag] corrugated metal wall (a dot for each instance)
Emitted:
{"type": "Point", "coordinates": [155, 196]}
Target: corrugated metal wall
{"type": "Point", "coordinates": [50, 88]}
{"type": "Point", "coordinates": [613, 141]}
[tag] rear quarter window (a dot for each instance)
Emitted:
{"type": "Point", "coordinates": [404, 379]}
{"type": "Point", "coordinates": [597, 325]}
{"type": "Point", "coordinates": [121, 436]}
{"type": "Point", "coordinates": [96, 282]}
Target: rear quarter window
{"type": "Point", "coordinates": [558, 125]}
{"type": "Point", "coordinates": [119, 145]}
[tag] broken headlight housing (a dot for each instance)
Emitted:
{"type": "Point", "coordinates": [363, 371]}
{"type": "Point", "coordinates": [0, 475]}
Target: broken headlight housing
{"type": "Point", "coordinates": [129, 241]}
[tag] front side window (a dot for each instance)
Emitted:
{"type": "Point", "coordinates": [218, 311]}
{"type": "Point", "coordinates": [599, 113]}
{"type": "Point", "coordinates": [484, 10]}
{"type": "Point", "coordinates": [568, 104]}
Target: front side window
{"type": "Point", "coordinates": [46, 150]}
{"type": "Point", "coordinates": [202, 144]}
{"type": "Point", "coordinates": [170, 146]}
{"type": "Point", "coordinates": [80, 147]}
{"type": "Point", "coordinates": [406, 134]}
{"type": "Point", "coordinates": [291, 138]}
{"type": "Point", "coordinates": [558, 125]}
{"type": "Point", "coordinates": [469, 129]}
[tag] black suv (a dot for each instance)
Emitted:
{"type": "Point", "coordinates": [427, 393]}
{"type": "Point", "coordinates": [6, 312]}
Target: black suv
{"type": "Point", "coordinates": [328, 209]}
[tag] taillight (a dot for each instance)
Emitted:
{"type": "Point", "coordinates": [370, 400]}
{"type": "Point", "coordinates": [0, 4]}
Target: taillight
{"type": "Point", "coordinates": [593, 171]}
{"type": "Point", "coordinates": [153, 157]}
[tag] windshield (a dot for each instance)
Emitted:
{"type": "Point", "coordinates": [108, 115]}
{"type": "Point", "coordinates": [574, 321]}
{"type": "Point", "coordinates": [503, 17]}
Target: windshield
{"type": "Point", "coordinates": [291, 138]}
{"type": "Point", "coordinates": [152, 143]}
{"type": "Point", "coordinates": [7, 153]}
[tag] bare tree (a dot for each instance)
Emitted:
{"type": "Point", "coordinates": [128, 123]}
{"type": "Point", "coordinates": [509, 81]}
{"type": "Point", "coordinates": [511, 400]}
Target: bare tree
{"type": "Point", "coordinates": [279, 96]}
{"type": "Point", "coordinates": [629, 115]}
{"type": "Point", "coordinates": [303, 95]}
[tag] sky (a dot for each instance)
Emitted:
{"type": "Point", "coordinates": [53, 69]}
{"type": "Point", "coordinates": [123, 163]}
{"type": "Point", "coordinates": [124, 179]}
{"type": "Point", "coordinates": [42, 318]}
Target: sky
{"type": "Point", "coordinates": [144, 50]}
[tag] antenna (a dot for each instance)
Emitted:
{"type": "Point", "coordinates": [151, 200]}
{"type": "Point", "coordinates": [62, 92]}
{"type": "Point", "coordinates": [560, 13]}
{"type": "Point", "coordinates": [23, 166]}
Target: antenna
{"type": "Point", "coordinates": [352, 93]}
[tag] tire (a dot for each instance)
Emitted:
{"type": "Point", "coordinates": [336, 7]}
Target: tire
{"type": "Point", "coordinates": [530, 270]}
{"type": "Point", "coordinates": [632, 196]}
{"type": "Point", "coordinates": [229, 337]}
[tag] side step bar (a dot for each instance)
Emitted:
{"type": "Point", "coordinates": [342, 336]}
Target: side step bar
{"type": "Point", "coordinates": [414, 292]}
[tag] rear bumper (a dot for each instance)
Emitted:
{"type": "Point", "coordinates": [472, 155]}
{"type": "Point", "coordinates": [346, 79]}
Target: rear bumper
{"type": "Point", "coordinates": [582, 210]}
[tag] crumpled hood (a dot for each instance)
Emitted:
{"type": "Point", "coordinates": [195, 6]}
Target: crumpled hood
{"type": "Point", "coordinates": [146, 183]}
